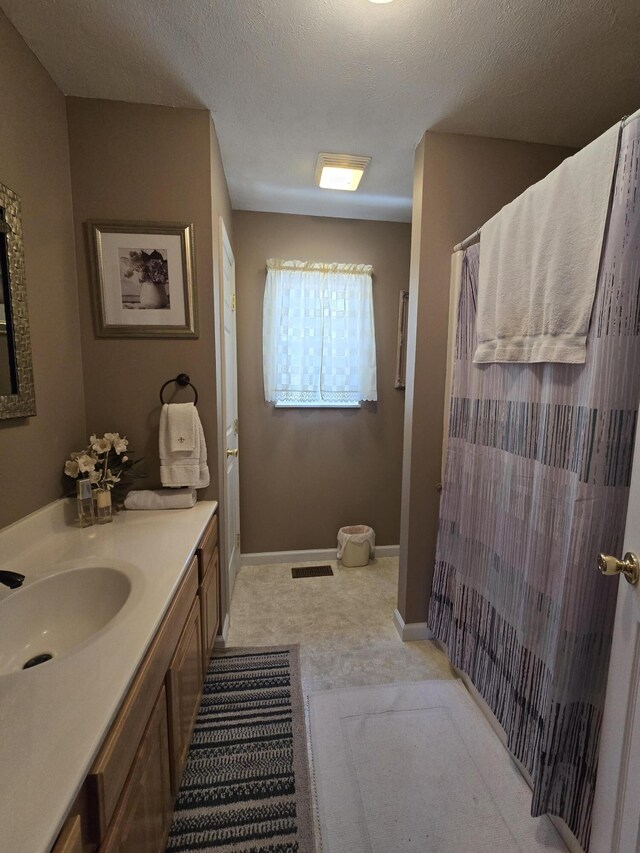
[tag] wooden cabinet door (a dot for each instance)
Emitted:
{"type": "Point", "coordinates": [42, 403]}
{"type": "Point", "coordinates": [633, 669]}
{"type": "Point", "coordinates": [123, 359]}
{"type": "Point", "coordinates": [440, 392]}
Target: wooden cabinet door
{"type": "Point", "coordinates": [141, 821]}
{"type": "Point", "coordinates": [209, 606]}
{"type": "Point", "coordinates": [184, 689]}
{"type": "Point", "coordinates": [110, 770]}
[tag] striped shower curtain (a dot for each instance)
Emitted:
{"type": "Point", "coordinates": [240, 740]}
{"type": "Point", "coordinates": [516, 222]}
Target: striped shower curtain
{"type": "Point", "coordinates": [537, 476]}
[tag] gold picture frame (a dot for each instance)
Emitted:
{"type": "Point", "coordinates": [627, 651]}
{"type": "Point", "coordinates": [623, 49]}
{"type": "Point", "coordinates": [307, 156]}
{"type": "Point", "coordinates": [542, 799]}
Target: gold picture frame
{"type": "Point", "coordinates": [143, 279]}
{"type": "Point", "coordinates": [401, 352]}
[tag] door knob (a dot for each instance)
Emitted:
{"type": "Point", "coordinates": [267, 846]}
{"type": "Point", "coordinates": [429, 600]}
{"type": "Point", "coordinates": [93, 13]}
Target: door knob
{"type": "Point", "coordinates": [233, 452]}
{"type": "Point", "coordinates": [629, 567]}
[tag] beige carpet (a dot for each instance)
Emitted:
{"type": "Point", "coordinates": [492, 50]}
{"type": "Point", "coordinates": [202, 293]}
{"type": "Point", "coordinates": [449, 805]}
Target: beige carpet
{"type": "Point", "coordinates": [416, 768]}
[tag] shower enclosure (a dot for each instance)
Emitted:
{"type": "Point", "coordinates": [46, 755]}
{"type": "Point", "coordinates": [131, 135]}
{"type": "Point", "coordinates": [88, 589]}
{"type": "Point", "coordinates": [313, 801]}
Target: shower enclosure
{"type": "Point", "coordinates": [536, 484]}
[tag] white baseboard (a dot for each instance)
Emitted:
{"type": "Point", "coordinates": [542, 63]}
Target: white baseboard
{"type": "Point", "coordinates": [387, 550]}
{"type": "Point", "coordinates": [221, 640]}
{"type": "Point", "coordinates": [410, 631]}
{"type": "Point", "coordinates": [267, 558]}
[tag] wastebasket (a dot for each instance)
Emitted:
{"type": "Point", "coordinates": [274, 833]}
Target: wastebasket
{"type": "Point", "coordinates": [356, 545]}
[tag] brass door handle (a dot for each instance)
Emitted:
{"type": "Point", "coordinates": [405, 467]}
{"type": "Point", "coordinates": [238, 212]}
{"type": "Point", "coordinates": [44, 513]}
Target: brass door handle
{"type": "Point", "coordinates": [233, 452]}
{"type": "Point", "coordinates": [629, 567]}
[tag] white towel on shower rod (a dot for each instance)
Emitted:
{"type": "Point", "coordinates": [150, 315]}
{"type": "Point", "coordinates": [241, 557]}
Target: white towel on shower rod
{"type": "Point", "coordinates": [182, 467]}
{"type": "Point", "coordinates": [539, 262]}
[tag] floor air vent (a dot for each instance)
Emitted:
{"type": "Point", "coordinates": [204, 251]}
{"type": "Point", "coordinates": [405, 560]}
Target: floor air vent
{"type": "Point", "coordinates": [312, 572]}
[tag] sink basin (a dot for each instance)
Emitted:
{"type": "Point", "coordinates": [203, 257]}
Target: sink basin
{"type": "Point", "coordinates": [53, 616]}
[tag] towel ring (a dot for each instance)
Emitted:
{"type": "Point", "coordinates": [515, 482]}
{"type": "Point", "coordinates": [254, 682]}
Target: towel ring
{"type": "Point", "coordinates": [183, 380]}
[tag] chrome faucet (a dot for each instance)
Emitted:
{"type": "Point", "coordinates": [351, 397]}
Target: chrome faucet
{"type": "Point", "coordinates": [11, 579]}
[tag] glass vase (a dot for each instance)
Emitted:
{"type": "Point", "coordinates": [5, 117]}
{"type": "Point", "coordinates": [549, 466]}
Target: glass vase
{"type": "Point", "coordinates": [103, 506]}
{"type": "Point", "coordinates": [84, 502]}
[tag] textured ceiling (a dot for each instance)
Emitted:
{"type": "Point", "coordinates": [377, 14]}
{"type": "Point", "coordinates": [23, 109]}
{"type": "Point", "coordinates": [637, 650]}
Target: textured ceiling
{"type": "Point", "coordinates": [286, 79]}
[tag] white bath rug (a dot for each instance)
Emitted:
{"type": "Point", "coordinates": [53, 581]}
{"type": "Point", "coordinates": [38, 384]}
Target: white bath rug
{"type": "Point", "coordinates": [416, 768]}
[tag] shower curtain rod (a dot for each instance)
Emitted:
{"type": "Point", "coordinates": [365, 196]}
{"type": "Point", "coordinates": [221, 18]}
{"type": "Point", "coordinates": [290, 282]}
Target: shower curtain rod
{"type": "Point", "coordinates": [475, 237]}
{"type": "Point", "coordinates": [471, 239]}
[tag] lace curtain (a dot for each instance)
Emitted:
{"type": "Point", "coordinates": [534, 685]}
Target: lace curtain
{"type": "Point", "coordinates": [318, 333]}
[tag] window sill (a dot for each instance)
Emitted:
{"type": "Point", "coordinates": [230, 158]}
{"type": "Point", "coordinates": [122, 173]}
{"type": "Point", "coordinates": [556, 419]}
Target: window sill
{"type": "Point", "coordinates": [317, 405]}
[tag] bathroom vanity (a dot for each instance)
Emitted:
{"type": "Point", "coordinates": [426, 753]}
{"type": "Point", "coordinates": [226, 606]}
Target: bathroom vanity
{"type": "Point", "coordinates": [95, 740]}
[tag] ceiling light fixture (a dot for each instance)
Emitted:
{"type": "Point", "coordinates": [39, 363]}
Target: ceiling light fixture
{"type": "Point", "coordinates": [340, 171]}
{"type": "Point", "coordinates": [380, 1]}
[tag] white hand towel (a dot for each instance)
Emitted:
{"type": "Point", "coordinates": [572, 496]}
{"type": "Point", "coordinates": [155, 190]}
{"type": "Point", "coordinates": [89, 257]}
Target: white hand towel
{"type": "Point", "coordinates": [183, 467]}
{"type": "Point", "coordinates": [161, 499]}
{"type": "Point", "coordinates": [182, 426]}
{"type": "Point", "coordinates": [539, 262]}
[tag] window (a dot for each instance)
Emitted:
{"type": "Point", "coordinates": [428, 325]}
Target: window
{"type": "Point", "coordinates": [318, 340]}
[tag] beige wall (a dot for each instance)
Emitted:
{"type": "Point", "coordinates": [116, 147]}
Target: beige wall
{"type": "Point", "coordinates": [305, 473]}
{"type": "Point", "coordinates": [34, 161]}
{"type": "Point", "coordinates": [143, 162]}
{"type": "Point", "coordinates": [459, 183]}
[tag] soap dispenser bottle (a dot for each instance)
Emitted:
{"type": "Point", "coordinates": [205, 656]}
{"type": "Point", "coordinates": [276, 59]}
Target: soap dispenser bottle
{"type": "Point", "coordinates": [85, 503]}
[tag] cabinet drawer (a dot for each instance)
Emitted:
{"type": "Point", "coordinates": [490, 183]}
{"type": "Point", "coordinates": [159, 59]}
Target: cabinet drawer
{"type": "Point", "coordinates": [107, 776]}
{"type": "Point", "coordinates": [207, 546]}
{"type": "Point", "coordinates": [141, 820]}
{"type": "Point", "coordinates": [70, 838]}
{"type": "Point", "coordinates": [184, 689]}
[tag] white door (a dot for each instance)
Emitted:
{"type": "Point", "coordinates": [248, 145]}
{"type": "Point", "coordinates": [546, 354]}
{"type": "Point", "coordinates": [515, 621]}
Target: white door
{"type": "Point", "coordinates": [231, 498]}
{"type": "Point", "coordinates": [616, 813]}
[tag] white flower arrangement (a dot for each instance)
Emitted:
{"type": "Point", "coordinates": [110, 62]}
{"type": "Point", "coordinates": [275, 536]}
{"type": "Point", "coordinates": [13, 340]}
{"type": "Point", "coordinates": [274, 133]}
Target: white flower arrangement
{"type": "Point", "coordinates": [103, 462]}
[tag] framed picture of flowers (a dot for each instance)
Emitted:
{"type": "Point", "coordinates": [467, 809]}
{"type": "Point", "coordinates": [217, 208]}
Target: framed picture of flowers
{"type": "Point", "coordinates": [143, 279]}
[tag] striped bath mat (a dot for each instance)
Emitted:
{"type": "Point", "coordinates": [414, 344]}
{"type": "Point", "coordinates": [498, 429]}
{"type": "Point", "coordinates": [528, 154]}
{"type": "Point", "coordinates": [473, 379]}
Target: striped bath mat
{"type": "Point", "coordinates": [245, 788]}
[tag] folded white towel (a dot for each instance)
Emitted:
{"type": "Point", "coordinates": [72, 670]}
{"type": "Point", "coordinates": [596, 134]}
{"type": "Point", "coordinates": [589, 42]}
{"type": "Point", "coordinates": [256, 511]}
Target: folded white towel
{"type": "Point", "coordinates": [182, 426]}
{"type": "Point", "coordinates": [161, 499]}
{"type": "Point", "coordinates": [183, 467]}
{"type": "Point", "coordinates": [539, 262]}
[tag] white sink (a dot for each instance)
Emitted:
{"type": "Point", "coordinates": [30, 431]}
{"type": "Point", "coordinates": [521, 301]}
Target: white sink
{"type": "Point", "coordinates": [56, 615]}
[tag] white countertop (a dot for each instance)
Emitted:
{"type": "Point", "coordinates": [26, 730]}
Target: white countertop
{"type": "Point", "coordinates": [54, 717]}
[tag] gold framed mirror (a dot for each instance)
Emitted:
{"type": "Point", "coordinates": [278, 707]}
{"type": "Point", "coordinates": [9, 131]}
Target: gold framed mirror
{"type": "Point", "coordinates": [17, 393]}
